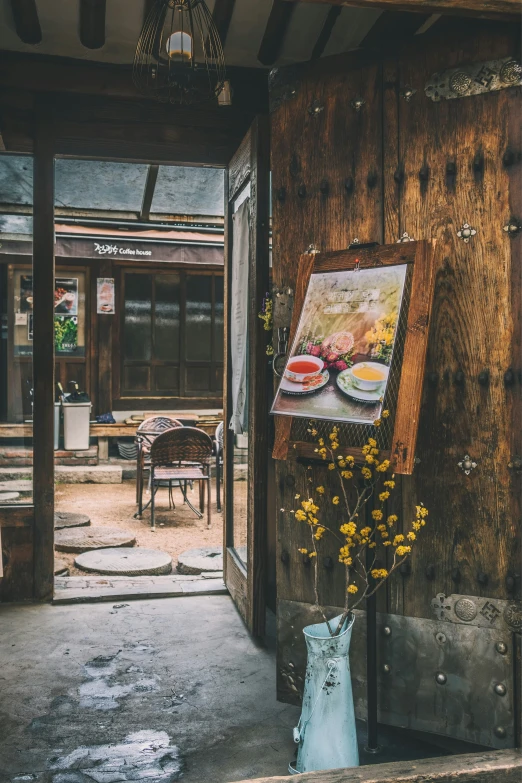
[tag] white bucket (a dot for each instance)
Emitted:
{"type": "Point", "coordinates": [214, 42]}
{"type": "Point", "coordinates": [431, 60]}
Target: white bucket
{"type": "Point", "coordinates": [76, 418]}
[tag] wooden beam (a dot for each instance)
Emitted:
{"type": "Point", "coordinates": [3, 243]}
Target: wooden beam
{"type": "Point", "coordinates": [486, 9]}
{"type": "Point", "coordinates": [324, 35]}
{"type": "Point", "coordinates": [92, 23]}
{"type": "Point", "coordinates": [43, 356]}
{"type": "Point", "coordinates": [222, 16]}
{"type": "Point", "coordinates": [392, 29]}
{"type": "Point", "coordinates": [27, 24]}
{"type": "Point", "coordinates": [43, 73]}
{"type": "Point", "coordinates": [148, 193]}
{"type": "Point", "coordinates": [275, 31]}
{"type": "Point", "coordinates": [497, 766]}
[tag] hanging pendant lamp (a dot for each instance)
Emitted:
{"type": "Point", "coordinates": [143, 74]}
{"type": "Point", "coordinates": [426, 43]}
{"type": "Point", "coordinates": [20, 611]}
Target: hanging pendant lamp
{"type": "Point", "coordinates": [179, 56]}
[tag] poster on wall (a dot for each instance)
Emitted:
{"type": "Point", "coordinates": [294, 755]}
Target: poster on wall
{"type": "Point", "coordinates": [340, 358]}
{"type": "Point", "coordinates": [65, 334]}
{"type": "Point", "coordinates": [66, 296]}
{"type": "Point", "coordinates": [358, 338]}
{"type": "Point", "coordinates": [105, 299]}
{"type": "Point", "coordinates": [66, 319]}
{"type": "Point", "coordinates": [26, 293]}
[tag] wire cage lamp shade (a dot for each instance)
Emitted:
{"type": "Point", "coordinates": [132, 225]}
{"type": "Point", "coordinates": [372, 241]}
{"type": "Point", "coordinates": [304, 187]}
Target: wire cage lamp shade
{"type": "Point", "coordinates": [179, 56]}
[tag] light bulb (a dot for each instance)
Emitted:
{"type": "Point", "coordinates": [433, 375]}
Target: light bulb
{"type": "Point", "coordinates": [179, 47]}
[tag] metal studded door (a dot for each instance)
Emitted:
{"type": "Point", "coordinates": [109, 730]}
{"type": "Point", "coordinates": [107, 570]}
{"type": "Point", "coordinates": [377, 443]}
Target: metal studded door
{"type": "Point", "coordinates": [369, 151]}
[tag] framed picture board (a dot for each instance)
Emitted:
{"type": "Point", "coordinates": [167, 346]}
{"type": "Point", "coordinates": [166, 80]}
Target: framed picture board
{"type": "Point", "coordinates": [358, 343]}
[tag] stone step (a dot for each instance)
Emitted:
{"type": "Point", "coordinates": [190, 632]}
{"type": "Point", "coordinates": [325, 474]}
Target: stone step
{"type": "Point", "coordinates": [72, 589]}
{"type": "Point", "coordinates": [70, 474]}
{"type": "Point", "coordinates": [17, 486]}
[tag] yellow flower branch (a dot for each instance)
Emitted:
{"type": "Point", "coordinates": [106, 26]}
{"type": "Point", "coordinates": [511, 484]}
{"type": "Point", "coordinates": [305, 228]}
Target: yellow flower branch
{"type": "Point", "coordinates": [354, 538]}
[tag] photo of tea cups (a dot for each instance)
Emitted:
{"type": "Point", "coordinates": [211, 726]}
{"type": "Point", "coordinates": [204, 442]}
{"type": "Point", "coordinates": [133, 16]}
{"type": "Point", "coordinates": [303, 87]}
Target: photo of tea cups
{"type": "Point", "coordinates": [369, 376]}
{"type": "Point", "coordinates": [303, 368]}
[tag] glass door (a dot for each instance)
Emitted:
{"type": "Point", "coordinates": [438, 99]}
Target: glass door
{"type": "Point", "coordinates": [246, 393]}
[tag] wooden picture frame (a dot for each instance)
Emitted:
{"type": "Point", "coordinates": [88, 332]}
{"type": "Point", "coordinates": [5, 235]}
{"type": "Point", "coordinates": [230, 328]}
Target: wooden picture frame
{"type": "Point", "coordinates": [415, 315]}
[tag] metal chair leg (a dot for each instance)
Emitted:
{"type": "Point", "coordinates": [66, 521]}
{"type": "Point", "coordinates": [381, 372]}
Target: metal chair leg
{"type": "Point", "coordinates": [201, 496]}
{"type": "Point", "coordinates": [218, 483]}
{"type": "Point", "coordinates": [209, 490]}
{"type": "Point", "coordinates": [152, 500]}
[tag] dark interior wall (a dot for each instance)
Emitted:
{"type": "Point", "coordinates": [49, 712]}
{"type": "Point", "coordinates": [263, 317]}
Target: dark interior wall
{"type": "Point", "coordinates": [424, 168]}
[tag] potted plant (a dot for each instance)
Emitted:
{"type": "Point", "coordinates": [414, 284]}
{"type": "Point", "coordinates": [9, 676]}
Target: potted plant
{"type": "Point", "coordinates": [366, 535]}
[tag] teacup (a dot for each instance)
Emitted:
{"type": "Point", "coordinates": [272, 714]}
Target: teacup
{"type": "Point", "coordinates": [303, 368]}
{"type": "Point", "coordinates": [368, 376]}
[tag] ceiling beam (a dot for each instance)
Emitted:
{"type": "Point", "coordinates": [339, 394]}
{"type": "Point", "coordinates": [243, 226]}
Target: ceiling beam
{"type": "Point", "coordinates": [92, 23]}
{"type": "Point", "coordinates": [392, 29]}
{"type": "Point", "coordinates": [148, 193]}
{"type": "Point", "coordinates": [275, 31]}
{"type": "Point", "coordinates": [486, 9]}
{"type": "Point", "coordinates": [324, 35]}
{"type": "Point", "coordinates": [27, 24]}
{"type": "Point", "coordinates": [30, 73]}
{"type": "Point", "coordinates": [91, 215]}
{"type": "Point", "coordinates": [222, 16]}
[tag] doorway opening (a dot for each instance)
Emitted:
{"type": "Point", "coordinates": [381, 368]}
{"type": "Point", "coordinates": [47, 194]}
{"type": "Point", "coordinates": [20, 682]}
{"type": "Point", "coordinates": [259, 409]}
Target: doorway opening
{"type": "Point", "coordinates": [139, 349]}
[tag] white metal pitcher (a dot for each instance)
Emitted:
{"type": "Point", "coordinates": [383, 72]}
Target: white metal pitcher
{"type": "Point", "coordinates": [326, 731]}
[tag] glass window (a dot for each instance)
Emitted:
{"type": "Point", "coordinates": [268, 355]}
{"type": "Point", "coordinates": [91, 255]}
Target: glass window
{"type": "Point", "coordinates": [172, 335]}
{"type": "Point", "coordinates": [138, 317]}
{"type": "Point", "coordinates": [199, 318]}
{"type": "Point", "coordinates": [166, 317]}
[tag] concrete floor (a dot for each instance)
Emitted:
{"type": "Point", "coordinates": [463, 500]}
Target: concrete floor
{"type": "Point", "coordinates": [162, 687]}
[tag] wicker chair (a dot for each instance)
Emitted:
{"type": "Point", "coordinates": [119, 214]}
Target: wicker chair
{"type": "Point", "coordinates": [146, 434]}
{"type": "Point", "coordinates": [218, 451]}
{"type": "Point", "coordinates": [184, 455]}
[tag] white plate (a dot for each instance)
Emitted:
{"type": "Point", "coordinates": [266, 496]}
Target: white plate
{"type": "Point", "coordinates": [289, 387]}
{"type": "Point", "coordinates": [346, 385]}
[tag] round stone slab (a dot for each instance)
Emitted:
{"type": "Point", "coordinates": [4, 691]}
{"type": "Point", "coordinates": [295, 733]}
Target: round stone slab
{"type": "Point", "coordinates": [195, 561]}
{"type": "Point", "coordinates": [60, 568]}
{"type": "Point", "coordinates": [67, 519]}
{"type": "Point", "coordinates": [82, 539]}
{"type": "Point", "coordinates": [8, 497]}
{"type": "Point", "coordinates": [125, 562]}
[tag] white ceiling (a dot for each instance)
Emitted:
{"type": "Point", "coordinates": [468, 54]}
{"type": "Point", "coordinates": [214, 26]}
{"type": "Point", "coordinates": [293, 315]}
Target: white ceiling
{"type": "Point", "coordinates": [59, 20]}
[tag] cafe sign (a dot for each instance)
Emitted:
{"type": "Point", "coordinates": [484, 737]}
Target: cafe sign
{"type": "Point", "coordinates": [114, 250]}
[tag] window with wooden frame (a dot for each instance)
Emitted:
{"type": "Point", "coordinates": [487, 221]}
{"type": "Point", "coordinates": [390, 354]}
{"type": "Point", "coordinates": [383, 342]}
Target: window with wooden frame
{"type": "Point", "coordinates": [171, 342]}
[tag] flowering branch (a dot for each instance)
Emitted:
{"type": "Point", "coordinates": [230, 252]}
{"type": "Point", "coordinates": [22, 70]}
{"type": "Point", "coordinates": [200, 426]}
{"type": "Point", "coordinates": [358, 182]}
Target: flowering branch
{"type": "Point", "coordinates": [355, 539]}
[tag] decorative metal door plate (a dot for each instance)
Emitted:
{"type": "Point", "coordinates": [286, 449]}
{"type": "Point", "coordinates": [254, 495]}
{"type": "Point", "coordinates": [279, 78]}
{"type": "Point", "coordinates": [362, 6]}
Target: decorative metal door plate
{"type": "Point", "coordinates": [475, 79]}
{"type": "Point", "coordinates": [452, 679]}
{"type": "Point", "coordinates": [482, 612]}
{"type": "Point", "coordinates": [283, 298]}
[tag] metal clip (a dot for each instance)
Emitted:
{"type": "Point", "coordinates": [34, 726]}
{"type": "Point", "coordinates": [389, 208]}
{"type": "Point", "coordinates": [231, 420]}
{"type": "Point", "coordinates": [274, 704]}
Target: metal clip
{"type": "Point", "coordinates": [278, 362]}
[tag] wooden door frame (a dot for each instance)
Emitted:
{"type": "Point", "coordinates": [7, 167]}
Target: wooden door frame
{"type": "Point", "coordinates": [49, 143]}
{"type": "Point", "coordinates": [43, 356]}
{"type": "Point", "coordinates": [247, 586]}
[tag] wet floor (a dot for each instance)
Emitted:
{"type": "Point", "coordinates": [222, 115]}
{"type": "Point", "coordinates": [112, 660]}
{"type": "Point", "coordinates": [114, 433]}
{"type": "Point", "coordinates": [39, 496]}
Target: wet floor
{"type": "Point", "coordinates": [151, 691]}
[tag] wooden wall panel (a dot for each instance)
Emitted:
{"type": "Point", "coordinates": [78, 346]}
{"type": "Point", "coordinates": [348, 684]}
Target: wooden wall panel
{"type": "Point", "coordinates": [472, 538]}
{"type": "Point", "coordinates": [473, 535]}
{"type": "Point", "coordinates": [327, 190]}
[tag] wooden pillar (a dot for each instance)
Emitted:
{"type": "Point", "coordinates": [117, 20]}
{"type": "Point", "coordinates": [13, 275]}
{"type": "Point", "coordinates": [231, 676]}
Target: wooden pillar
{"type": "Point", "coordinates": [105, 269]}
{"type": "Point", "coordinates": [43, 356]}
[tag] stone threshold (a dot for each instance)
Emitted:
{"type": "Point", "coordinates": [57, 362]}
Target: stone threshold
{"type": "Point", "coordinates": [91, 589]}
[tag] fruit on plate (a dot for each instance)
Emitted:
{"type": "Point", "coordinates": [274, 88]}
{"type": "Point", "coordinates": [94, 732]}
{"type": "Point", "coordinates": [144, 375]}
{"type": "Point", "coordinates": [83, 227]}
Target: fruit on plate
{"type": "Point", "coordinates": [337, 345]}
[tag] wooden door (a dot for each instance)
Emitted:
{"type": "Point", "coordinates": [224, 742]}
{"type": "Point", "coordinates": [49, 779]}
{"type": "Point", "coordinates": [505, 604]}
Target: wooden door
{"type": "Point", "coordinates": [396, 166]}
{"type": "Point", "coordinates": [245, 461]}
